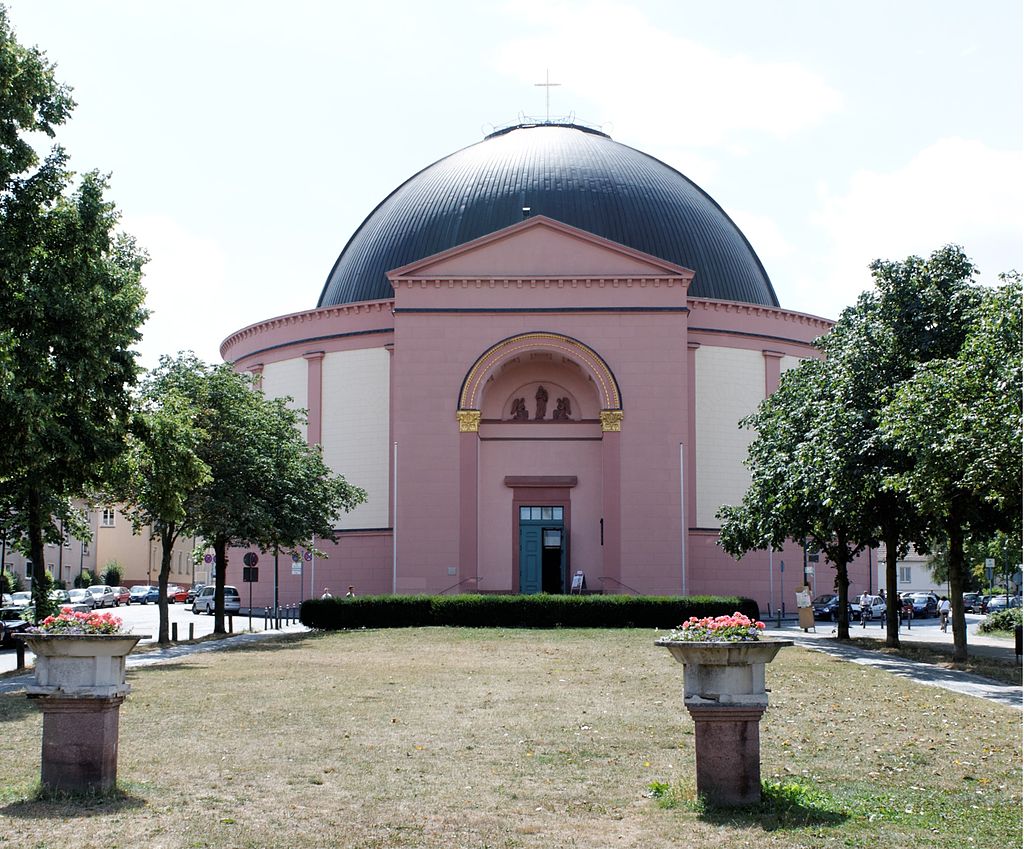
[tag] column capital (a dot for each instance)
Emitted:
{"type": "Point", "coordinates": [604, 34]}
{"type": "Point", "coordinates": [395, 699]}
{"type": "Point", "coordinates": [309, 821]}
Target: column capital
{"type": "Point", "coordinates": [469, 421]}
{"type": "Point", "coordinates": [611, 421]}
{"type": "Point", "coordinates": [313, 355]}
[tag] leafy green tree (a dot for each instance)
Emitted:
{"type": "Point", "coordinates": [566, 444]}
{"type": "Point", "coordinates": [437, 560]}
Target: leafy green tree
{"type": "Point", "coordinates": [70, 309]}
{"type": "Point", "coordinates": [820, 447]}
{"type": "Point", "coordinates": [959, 420]}
{"type": "Point", "coordinates": [266, 487]}
{"type": "Point", "coordinates": [161, 469]}
{"type": "Point", "coordinates": [807, 479]}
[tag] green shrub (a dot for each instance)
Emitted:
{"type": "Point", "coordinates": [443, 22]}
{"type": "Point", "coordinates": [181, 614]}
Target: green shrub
{"type": "Point", "coordinates": [1002, 620]}
{"type": "Point", "coordinates": [113, 574]}
{"type": "Point", "coordinates": [517, 611]}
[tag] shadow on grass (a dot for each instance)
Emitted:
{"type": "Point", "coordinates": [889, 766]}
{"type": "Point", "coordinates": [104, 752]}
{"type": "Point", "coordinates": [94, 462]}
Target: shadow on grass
{"type": "Point", "coordinates": [14, 707]}
{"type": "Point", "coordinates": [783, 806]}
{"type": "Point", "coordinates": [42, 804]}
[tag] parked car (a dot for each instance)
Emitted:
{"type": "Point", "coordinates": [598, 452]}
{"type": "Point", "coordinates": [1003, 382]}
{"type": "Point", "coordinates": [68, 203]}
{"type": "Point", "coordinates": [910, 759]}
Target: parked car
{"type": "Point", "coordinates": [10, 624]}
{"type": "Point", "coordinates": [124, 595]}
{"type": "Point", "coordinates": [5, 599]}
{"type": "Point", "coordinates": [21, 599]}
{"type": "Point", "coordinates": [877, 608]}
{"type": "Point", "coordinates": [827, 607]}
{"type": "Point", "coordinates": [175, 593]}
{"type": "Point", "coordinates": [193, 592]}
{"type": "Point", "coordinates": [60, 596]}
{"type": "Point", "coordinates": [102, 595]}
{"type": "Point", "coordinates": [204, 601]}
{"type": "Point", "coordinates": [81, 600]}
{"type": "Point", "coordinates": [973, 602]}
{"type": "Point", "coordinates": [926, 605]}
{"type": "Point", "coordinates": [1000, 602]}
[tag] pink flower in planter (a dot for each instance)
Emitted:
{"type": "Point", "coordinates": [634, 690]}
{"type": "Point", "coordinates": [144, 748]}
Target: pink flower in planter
{"type": "Point", "coordinates": [720, 629]}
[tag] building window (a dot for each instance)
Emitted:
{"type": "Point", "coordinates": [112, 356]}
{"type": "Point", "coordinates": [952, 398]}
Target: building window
{"type": "Point", "coordinates": [904, 574]}
{"type": "Point", "coordinates": [527, 514]}
{"type": "Point", "coordinates": [28, 568]}
{"type": "Point", "coordinates": [108, 517]}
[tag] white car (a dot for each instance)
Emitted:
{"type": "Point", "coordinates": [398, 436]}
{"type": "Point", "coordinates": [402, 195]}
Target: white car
{"type": "Point", "coordinates": [22, 599]}
{"type": "Point", "coordinates": [204, 601]}
{"type": "Point", "coordinates": [876, 608]}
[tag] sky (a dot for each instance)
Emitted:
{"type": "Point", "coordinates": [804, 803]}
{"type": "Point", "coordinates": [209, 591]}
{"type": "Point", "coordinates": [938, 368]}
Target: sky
{"type": "Point", "coordinates": [246, 141]}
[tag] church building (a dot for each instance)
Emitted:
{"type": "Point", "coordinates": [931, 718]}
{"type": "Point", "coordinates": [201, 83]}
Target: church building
{"type": "Point", "coordinates": [533, 355]}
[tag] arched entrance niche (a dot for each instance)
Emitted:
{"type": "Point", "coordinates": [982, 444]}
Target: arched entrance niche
{"type": "Point", "coordinates": [539, 415]}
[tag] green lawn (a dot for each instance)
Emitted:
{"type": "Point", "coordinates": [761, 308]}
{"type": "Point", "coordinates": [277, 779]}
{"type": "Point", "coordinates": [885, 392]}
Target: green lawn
{"type": "Point", "coordinates": [498, 738]}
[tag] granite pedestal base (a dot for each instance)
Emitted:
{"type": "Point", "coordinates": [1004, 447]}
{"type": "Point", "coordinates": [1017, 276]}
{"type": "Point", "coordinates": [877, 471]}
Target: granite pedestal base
{"type": "Point", "coordinates": [728, 744]}
{"type": "Point", "coordinates": [79, 743]}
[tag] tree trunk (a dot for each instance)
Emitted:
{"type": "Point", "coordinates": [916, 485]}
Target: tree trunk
{"type": "Point", "coordinates": [167, 538]}
{"type": "Point", "coordinates": [35, 543]}
{"type": "Point", "coordinates": [220, 551]}
{"type": "Point", "coordinates": [892, 595]}
{"type": "Point", "coordinates": [843, 588]}
{"type": "Point", "coordinates": [956, 587]}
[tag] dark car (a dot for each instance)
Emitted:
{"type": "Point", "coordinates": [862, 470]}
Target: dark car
{"type": "Point", "coordinates": [1001, 602]}
{"type": "Point", "coordinates": [926, 605]}
{"type": "Point", "coordinates": [11, 623]}
{"type": "Point", "coordinates": [827, 607]}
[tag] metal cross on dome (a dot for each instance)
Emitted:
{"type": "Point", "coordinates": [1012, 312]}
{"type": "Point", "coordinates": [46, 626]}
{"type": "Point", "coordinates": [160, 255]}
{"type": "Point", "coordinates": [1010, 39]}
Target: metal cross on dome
{"type": "Point", "coordinates": [547, 85]}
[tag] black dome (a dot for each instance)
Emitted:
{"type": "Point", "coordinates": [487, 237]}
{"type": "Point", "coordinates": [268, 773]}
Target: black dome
{"type": "Point", "coordinates": [573, 174]}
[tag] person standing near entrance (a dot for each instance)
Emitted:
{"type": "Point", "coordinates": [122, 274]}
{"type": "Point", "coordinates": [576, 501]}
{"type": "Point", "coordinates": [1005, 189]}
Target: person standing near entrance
{"type": "Point", "coordinates": [944, 607]}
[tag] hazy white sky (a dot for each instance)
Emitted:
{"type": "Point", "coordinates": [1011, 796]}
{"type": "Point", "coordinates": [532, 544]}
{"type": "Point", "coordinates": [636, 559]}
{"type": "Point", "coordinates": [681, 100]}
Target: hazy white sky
{"type": "Point", "coordinates": [248, 140]}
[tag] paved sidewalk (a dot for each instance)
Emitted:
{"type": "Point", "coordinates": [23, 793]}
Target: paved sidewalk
{"type": "Point", "coordinates": [14, 683]}
{"type": "Point", "coordinates": [822, 638]}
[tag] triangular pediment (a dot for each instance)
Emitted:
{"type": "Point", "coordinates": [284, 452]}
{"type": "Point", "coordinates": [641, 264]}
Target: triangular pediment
{"type": "Point", "coordinates": [539, 247]}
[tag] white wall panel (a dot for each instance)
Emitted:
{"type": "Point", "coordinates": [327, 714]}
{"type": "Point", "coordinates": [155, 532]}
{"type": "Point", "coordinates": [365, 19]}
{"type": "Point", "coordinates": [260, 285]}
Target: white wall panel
{"type": "Point", "coordinates": [291, 378]}
{"type": "Point", "coordinates": [356, 419]}
{"type": "Point", "coordinates": [729, 386]}
{"type": "Point", "coordinates": [788, 362]}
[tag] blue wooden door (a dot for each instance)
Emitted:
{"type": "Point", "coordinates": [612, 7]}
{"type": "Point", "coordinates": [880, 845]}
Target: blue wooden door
{"type": "Point", "coordinates": [529, 558]}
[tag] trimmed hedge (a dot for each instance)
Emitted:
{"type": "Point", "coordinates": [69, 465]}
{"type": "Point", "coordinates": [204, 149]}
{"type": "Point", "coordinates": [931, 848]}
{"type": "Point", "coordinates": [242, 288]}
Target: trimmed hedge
{"type": "Point", "coordinates": [517, 611]}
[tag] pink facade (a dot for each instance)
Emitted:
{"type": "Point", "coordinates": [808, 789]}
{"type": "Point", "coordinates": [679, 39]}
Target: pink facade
{"type": "Point", "coordinates": [539, 368]}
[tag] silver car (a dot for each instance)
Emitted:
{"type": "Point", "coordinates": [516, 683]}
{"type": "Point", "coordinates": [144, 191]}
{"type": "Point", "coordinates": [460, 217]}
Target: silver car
{"type": "Point", "coordinates": [81, 599]}
{"type": "Point", "coordinates": [102, 595]}
{"type": "Point", "coordinates": [204, 601]}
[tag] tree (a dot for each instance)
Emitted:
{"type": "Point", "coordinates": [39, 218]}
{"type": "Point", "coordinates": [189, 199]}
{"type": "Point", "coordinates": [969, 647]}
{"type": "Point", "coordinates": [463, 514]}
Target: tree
{"type": "Point", "coordinates": [959, 419]}
{"type": "Point", "coordinates": [820, 447]}
{"type": "Point", "coordinates": [808, 480]}
{"type": "Point", "coordinates": [70, 309]}
{"type": "Point", "coordinates": [266, 486]}
{"type": "Point", "coordinates": [162, 469]}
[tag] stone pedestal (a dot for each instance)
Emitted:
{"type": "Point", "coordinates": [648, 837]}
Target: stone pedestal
{"type": "Point", "coordinates": [728, 743]}
{"type": "Point", "coordinates": [80, 738]}
{"type": "Point", "coordinates": [724, 692]}
{"type": "Point", "coordinates": [79, 686]}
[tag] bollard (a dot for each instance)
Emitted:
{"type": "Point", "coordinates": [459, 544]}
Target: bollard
{"type": "Point", "coordinates": [191, 631]}
{"type": "Point", "coordinates": [1018, 638]}
{"type": "Point", "coordinates": [778, 618]}
{"type": "Point", "coordinates": [19, 652]}
{"type": "Point", "coordinates": [231, 624]}
{"type": "Point", "coordinates": [174, 632]}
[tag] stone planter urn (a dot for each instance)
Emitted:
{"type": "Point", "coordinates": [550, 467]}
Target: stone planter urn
{"type": "Point", "coordinates": [723, 690]}
{"type": "Point", "coordinates": [79, 686]}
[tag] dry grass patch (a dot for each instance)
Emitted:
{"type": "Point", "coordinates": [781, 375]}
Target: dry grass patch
{"type": "Point", "coordinates": [491, 738]}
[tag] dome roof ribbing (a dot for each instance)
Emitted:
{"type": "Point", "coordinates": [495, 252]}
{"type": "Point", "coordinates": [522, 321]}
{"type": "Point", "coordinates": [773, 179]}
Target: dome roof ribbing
{"type": "Point", "coordinates": [569, 173]}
